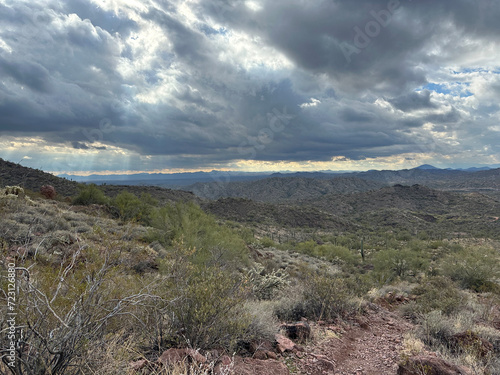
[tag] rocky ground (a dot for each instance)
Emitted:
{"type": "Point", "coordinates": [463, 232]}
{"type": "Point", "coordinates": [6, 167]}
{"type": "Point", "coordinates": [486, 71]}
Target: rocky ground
{"type": "Point", "coordinates": [371, 346]}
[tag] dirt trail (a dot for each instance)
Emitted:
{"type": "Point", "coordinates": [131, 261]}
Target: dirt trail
{"type": "Point", "coordinates": [369, 347]}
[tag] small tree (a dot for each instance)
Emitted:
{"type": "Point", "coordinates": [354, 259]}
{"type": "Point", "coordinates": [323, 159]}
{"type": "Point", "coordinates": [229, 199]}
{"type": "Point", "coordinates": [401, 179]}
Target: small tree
{"type": "Point", "coordinates": [129, 206]}
{"type": "Point", "coordinates": [90, 194]}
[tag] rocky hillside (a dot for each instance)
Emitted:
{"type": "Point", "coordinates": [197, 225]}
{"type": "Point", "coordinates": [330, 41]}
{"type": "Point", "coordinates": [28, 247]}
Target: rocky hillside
{"type": "Point", "coordinates": [412, 208]}
{"type": "Point", "coordinates": [283, 189]}
{"type": "Point", "coordinates": [487, 180]}
{"type": "Point", "coordinates": [245, 210]}
{"type": "Point", "coordinates": [417, 198]}
{"type": "Point", "coordinates": [12, 174]}
{"type": "Point", "coordinates": [15, 174]}
{"type": "Point", "coordinates": [307, 186]}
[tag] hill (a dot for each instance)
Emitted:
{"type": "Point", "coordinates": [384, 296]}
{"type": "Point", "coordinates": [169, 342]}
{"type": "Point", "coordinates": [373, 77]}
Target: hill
{"type": "Point", "coordinates": [248, 211]}
{"type": "Point", "coordinates": [15, 174]}
{"type": "Point", "coordinates": [487, 181]}
{"type": "Point", "coordinates": [283, 189]}
{"type": "Point", "coordinates": [33, 179]}
{"type": "Point", "coordinates": [416, 207]}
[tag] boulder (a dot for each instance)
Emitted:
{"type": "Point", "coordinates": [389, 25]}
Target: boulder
{"type": "Point", "coordinates": [430, 365]}
{"type": "Point", "coordinates": [284, 344]}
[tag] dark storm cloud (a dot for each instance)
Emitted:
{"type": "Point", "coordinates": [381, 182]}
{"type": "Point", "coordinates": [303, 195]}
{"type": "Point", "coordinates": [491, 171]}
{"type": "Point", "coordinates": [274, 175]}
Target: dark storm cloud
{"type": "Point", "coordinates": [28, 74]}
{"type": "Point", "coordinates": [159, 83]}
{"type": "Point", "coordinates": [413, 101]}
{"type": "Point", "coordinates": [366, 44]}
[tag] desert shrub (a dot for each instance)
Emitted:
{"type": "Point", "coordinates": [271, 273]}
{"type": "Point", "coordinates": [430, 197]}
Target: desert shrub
{"type": "Point", "coordinates": [265, 284]}
{"type": "Point", "coordinates": [336, 254]}
{"type": "Point", "coordinates": [66, 312]}
{"type": "Point", "coordinates": [453, 247]}
{"type": "Point", "coordinates": [90, 194]}
{"type": "Point", "coordinates": [327, 298]}
{"type": "Point", "coordinates": [263, 322]}
{"type": "Point", "coordinates": [477, 269]}
{"type": "Point", "coordinates": [393, 263]}
{"type": "Point", "coordinates": [403, 236]}
{"type": "Point", "coordinates": [206, 309]}
{"type": "Point", "coordinates": [48, 192]}
{"type": "Point", "coordinates": [435, 329]}
{"type": "Point", "coordinates": [306, 247]}
{"type": "Point", "coordinates": [438, 293]}
{"type": "Point", "coordinates": [215, 244]}
{"type": "Point", "coordinates": [320, 297]}
{"type": "Point", "coordinates": [128, 205]}
{"type": "Point", "coordinates": [267, 242]}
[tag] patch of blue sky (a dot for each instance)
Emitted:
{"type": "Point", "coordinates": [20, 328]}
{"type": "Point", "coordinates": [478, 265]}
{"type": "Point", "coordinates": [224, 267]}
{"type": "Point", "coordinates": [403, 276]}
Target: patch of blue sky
{"type": "Point", "coordinates": [209, 31]}
{"type": "Point", "coordinates": [476, 70]}
{"type": "Point", "coordinates": [437, 87]}
{"type": "Point", "coordinates": [453, 88]}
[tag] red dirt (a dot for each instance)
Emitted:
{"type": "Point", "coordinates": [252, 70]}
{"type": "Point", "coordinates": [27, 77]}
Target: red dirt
{"type": "Point", "coordinates": [371, 346]}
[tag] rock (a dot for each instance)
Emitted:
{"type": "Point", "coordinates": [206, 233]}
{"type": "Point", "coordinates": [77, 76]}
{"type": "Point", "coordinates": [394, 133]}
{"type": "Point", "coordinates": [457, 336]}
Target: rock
{"type": "Point", "coordinates": [325, 363]}
{"type": "Point", "coordinates": [251, 366]}
{"type": "Point", "coordinates": [173, 356]}
{"type": "Point", "coordinates": [284, 344]}
{"type": "Point", "coordinates": [48, 191]}
{"type": "Point", "coordinates": [430, 365]}
{"type": "Point", "coordinates": [297, 331]}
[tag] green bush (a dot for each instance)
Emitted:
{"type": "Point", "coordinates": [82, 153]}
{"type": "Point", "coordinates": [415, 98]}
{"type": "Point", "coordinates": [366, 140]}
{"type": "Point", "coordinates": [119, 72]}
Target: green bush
{"type": "Point", "coordinates": [333, 253]}
{"type": "Point", "coordinates": [90, 194]}
{"type": "Point", "coordinates": [438, 293]}
{"type": "Point", "coordinates": [206, 311]}
{"type": "Point", "coordinates": [320, 297]}
{"type": "Point", "coordinates": [214, 244]}
{"type": "Point", "coordinates": [128, 205]}
{"type": "Point", "coordinates": [267, 242]}
{"type": "Point", "coordinates": [336, 254]}
{"type": "Point", "coordinates": [435, 329]}
{"type": "Point", "coordinates": [389, 264]}
{"type": "Point", "coordinates": [477, 269]}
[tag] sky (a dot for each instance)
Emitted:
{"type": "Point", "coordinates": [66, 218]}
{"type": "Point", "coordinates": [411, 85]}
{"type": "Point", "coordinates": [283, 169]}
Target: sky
{"type": "Point", "coordinates": [123, 86]}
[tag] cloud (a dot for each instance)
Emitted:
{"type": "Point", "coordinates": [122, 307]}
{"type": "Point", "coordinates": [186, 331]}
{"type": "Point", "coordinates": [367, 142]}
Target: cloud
{"type": "Point", "coordinates": [154, 85]}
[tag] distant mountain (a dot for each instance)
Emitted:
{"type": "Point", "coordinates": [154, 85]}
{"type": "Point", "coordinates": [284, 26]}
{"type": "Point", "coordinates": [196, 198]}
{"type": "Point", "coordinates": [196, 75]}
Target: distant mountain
{"type": "Point", "coordinates": [168, 179]}
{"type": "Point", "coordinates": [426, 167]}
{"type": "Point", "coordinates": [282, 189]}
{"type": "Point", "coordinates": [486, 181]}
